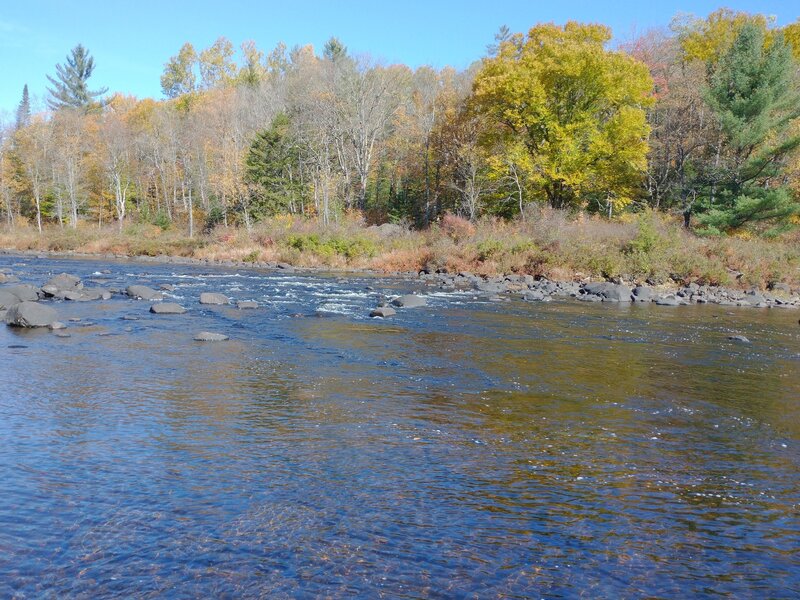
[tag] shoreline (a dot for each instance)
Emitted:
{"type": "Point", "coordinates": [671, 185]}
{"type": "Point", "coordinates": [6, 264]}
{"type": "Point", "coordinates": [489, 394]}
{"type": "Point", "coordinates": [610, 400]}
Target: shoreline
{"type": "Point", "coordinates": [496, 288]}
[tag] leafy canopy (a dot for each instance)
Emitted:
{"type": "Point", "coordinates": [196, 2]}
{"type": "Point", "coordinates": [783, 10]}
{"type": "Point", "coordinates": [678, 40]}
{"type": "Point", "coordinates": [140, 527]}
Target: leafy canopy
{"type": "Point", "coordinates": [576, 108]}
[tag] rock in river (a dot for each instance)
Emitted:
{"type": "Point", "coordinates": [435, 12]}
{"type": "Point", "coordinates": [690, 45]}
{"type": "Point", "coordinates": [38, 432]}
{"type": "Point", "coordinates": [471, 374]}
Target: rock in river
{"type": "Point", "coordinates": [63, 282]}
{"type": "Point", "coordinates": [739, 338]}
{"type": "Point", "coordinates": [208, 336]}
{"type": "Point", "coordinates": [7, 300]}
{"type": "Point", "coordinates": [247, 304]}
{"type": "Point", "coordinates": [410, 301]}
{"type": "Point", "coordinates": [167, 308]}
{"type": "Point", "coordinates": [608, 291]}
{"type": "Point", "coordinates": [25, 292]}
{"type": "Point", "coordinates": [142, 292]}
{"type": "Point", "coordinates": [30, 314]}
{"type": "Point", "coordinates": [211, 298]}
{"type": "Point", "coordinates": [383, 312]}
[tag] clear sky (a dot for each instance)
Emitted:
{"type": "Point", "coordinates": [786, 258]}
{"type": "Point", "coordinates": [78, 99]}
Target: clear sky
{"type": "Point", "coordinates": [131, 40]}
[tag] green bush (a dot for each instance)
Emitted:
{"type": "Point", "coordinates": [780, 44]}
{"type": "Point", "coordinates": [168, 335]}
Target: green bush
{"type": "Point", "coordinates": [488, 249]}
{"type": "Point", "coordinates": [347, 247]}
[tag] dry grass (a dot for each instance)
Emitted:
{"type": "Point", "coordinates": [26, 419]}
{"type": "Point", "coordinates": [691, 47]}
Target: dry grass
{"type": "Point", "coordinates": [550, 243]}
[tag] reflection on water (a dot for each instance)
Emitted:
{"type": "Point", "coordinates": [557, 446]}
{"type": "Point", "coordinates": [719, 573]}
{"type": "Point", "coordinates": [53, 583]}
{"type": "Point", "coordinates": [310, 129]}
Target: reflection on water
{"type": "Point", "coordinates": [466, 449]}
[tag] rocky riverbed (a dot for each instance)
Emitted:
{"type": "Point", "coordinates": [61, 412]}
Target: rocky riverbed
{"type": "Point", "coordinates": [25, 303]}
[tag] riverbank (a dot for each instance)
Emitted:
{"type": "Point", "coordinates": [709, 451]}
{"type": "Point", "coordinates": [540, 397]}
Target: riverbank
{"type": "Point", "coordinates": [496, 288]}
{"type": "Point", "coordinates": [645, 250]}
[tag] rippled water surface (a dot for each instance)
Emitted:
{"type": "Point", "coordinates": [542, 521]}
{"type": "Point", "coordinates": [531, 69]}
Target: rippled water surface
{"type": "Point", "coordinates": [469, 448]}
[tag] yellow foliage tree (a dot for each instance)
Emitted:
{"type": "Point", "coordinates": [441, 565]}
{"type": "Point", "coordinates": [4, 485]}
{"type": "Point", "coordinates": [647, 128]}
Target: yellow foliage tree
{"type": "Point", "coordinates": [576, 108]}
{"type": "Point", "coordinates": [708, 39]}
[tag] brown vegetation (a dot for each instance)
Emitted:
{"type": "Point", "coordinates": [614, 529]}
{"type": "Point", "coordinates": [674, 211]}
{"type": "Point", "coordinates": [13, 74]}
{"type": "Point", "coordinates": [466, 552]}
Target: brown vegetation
{"type": "Point", "coordinates": [548, 243]}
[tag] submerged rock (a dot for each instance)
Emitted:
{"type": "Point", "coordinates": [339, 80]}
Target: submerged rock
{"type": "Point", "coordinates": [247, 304]}
{"type": "Point", "coordinates": [167, 308]}
{"type": "Point", "coordinates": [208, 336]}
{"type": "Point", "coordinates": [55, 325]}
{"type": "Point", "coordinates": [212, 298]}
{"type": "Point", "coordinates": [739, 338]}
{"type": "Point", "coordinates": [142, 292]}
{"type": "Point", "coordinates": [30, 314]}
{"type": "Point", "coordinates": [410, 301]}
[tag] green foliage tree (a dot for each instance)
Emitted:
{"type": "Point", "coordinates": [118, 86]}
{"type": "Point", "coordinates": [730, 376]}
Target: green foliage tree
{"type": "Point", "coordinates": [753, 94]}
{"type": "Point", "coordinates": [273, 170]}
{"type": "Point", "coordinates": [217, 67]}
{"type": "Point", "coordinates": [577, 108]}
{"type": "Point", "coordinates": [70, 85]}
{"type": "Point", "coordinates": [178, 77]}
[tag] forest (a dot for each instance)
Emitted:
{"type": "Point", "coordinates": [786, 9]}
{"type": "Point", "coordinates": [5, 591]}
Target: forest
{"type": "Point", "coordinates": [696, 125]}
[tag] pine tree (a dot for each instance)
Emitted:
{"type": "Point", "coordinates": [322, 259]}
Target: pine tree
{"type": "Point", "coordinates": [24, 109]}
{"type": "Point", "coordinates": [70, 89]}
{"type": "Point", "coordinates": [754, 99]}
{"type": "Point", "coordinates": [273, 166]}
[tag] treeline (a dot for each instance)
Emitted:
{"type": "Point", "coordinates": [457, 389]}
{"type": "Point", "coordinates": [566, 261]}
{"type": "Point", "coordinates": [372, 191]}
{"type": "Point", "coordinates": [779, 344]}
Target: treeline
{"type": "Point", "coordinates": [701, 120]}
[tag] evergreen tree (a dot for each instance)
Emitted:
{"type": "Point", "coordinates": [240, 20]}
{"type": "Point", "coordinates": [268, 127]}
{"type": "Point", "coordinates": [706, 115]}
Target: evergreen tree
{"type": "Point", "coordinates": [70, 89]}
{"type": "Point", "coordinates": [24, 109]}
{"type": "Point", "coordinates": [334, 50]}
{"type": "Point", "coordinates": [752, 94]}
{"type": "Point", "coordinates": [273, 170]}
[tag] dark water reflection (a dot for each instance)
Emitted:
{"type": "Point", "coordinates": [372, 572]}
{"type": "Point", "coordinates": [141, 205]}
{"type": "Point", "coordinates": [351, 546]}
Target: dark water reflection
{"type": "Point", "coordinates": [467, 449]}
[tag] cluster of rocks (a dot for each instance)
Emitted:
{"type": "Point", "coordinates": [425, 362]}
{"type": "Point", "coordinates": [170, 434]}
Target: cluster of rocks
{"type": "Point", "coordinates": [21, 304]}
{"type": "Point", "coordinates": [531, 289]}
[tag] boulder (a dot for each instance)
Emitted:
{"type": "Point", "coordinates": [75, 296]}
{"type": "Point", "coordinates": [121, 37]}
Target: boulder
{"type": "Point", "coordinates": [86, 295]}
{"type": "Point", "coordinates": [668, 300]}
{"type": "Point", "coordinates": [142, 292]}
{"type": "Point", "coordinates": [64, 281]}
{"type": "Point", "coordinates": [643, 293]}
{"type": "Point", "coordinates": [492, 287]}
{"type": "Point", "coordinates": [246, 304]}
{"type": "Point", "coordinates": [212, 298]}
{"type": "Point", "coordinates": [30, 314]}
{"type": "Point", "coordinates": [608, 291]}
{"type": "Point", "coordinates": [383, 312]}
{"type": "Point", "coordinates": [778, 287]}
{"type": "Point", "coordinates": [8, 278]}
{"type": "Point", "coordinates": [167, 308]}
{"type": "Point", "coordinates": [7, 300]}
{"type": "Point", "coordinates": [167, 287]}
{"type": "Point", "coordinates": [55, 325]}
{"type": "Point", "coordinates": [410, 301]}
{"type": "Point", "coordinates": [25, 292]}
{"type": "Point", "coordinates": [536, 296]}
{"type": "Point", "coordinates": [739, 338]}
{"type": "Point", "coordinates": [207, 336]}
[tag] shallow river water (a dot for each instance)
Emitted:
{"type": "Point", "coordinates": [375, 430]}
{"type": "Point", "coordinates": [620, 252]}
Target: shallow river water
{"type": "Point", "coordinates": [465, 449]}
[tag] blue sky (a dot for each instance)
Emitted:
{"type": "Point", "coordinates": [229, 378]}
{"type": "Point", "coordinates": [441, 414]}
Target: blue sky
{"type": "Point", "coordinates": [132, 40]}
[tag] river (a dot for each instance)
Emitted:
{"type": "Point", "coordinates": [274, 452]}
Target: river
{"type": "Point", "coordinates": [466, 449]}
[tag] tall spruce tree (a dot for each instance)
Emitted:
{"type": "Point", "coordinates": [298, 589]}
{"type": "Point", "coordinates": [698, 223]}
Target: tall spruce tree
{"type": "Point", "coordinates": [273, 169]}
{"type": "Point", "coordinates": [24, 109]}
{"type": "Point", "coordinates": [70, 88]}
{"type": "Point", "coordinates": [754, 97]}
